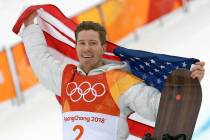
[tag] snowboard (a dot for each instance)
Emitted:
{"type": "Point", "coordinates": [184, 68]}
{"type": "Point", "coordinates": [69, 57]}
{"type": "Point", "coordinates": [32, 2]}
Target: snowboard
{"type": "Point", "coordinates": [179, 107]}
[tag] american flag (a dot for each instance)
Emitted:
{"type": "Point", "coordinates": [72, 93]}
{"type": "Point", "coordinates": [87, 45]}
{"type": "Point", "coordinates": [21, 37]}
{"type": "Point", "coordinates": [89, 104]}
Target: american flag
{"type": "Point", "coordinates": [59, 33]}
{"type": "Point", "coordinates": [153, 68]}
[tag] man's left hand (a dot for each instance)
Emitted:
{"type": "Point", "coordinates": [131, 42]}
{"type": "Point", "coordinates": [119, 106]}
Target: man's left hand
{"type": "Point", "coordinates": [198, 70]}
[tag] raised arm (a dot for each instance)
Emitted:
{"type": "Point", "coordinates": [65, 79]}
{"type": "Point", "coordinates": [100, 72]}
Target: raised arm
{"type": "Point", "coordinates": [46, 67]}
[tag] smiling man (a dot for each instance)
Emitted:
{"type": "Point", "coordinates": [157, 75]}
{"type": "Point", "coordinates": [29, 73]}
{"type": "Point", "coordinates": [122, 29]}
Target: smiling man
{"type": "Point", "coordinates": [90, 46]}
{"type": "Point", "coordinates": [100, 92]}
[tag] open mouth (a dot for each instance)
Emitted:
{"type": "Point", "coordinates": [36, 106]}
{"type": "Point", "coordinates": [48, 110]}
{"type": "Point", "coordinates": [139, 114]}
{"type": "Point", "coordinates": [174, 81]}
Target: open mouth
{"type": "Point", "coordinates": [87, 56]}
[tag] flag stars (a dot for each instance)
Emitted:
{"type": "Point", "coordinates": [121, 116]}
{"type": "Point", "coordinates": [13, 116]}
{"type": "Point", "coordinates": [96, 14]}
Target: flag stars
{"type": "Point", "coordinates": [158, 81]}
{"type": "Point", "coordinates": [156, 70]}
{"type": "Point", "coordinates": [168, 63]}
{"type": "Point", "coordinates": [152, 61]}
{"type": "Point", "coordinates": [164, 76]}
{"type": "Point", "coordinates": [162, 67]}
{"type": "Point", "coordinates": [184, 64]}
{"type": "Point", "coordinates": [150, 73]}
{"type": "Point", "coordinates": [142, 67]}
{"type": "Point", "coordinates": [146, 63]}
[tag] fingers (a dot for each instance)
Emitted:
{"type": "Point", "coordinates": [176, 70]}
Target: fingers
{"type": "Point", "coordinates": [198, 74]}
{"type": "Point", "coordinates": [201, 63]}
{"type": "Point", "coordinates": [197, 67]}
{"type": "Point", "coordinates": [30, 19]}
{"type": "Point", "coordinates": [198, 70]}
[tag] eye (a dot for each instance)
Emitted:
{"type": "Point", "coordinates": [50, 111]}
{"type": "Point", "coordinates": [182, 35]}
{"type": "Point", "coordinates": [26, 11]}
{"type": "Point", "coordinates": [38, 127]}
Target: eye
{"type": "Point", "coordinates": [81, 43]}
{"type": "Point", "coordinates": [92, 43]}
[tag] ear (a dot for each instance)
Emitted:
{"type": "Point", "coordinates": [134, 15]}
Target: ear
{"type": "Point", "coordinates": [75, 46]}
{"type": "Point", "coordinates": [104, 47]}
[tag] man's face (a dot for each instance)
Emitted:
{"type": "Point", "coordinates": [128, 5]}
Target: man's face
{"type": "Point", "coordinates": [89, 49]}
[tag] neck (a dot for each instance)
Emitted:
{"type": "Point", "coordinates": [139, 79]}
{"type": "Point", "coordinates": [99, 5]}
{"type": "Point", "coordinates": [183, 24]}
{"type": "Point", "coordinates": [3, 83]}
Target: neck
{"type": "Point", "coordinates": [86, 69]}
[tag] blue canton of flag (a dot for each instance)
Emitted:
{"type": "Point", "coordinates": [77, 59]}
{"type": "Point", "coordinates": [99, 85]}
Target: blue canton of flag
{"type": "Point", "coordinates": [151, 67]}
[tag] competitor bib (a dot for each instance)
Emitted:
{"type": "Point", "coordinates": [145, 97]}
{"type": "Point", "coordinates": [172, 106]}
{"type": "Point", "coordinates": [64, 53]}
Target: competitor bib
{"type": "Point", "coordinates": [80, 125]}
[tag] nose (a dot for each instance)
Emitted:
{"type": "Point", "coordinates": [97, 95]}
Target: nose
{"type": "Point", "coordinates": [86, 47]}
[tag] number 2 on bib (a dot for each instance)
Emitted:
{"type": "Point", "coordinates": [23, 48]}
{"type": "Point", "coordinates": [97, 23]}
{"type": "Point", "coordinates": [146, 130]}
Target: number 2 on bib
{"type": "Point", "coordinates": [81, 131]}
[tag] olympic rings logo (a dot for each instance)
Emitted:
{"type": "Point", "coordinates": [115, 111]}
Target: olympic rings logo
{"type": "Point", "coordinates": [76, 92]}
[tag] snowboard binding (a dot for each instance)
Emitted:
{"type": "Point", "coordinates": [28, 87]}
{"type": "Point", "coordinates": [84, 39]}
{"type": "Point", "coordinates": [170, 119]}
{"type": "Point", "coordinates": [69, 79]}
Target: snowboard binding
{"type": "Point", "coordinates": [177, 137]}
{"type": "Point", "coordinates": [148, 136]}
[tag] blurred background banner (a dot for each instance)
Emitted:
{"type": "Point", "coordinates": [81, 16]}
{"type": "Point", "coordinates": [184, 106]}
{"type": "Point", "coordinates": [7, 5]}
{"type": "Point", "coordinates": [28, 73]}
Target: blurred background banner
{"type": "Point", "coordinates": [121, 17]}
{"type": "Point", "coordinates": [158, 8]}
{"type": "Point", "coordinates": [24, 71]}
{"type": "Point", "coordinates": [7, 91]}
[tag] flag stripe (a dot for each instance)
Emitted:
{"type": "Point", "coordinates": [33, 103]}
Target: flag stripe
{"type": "Point", "coordinates": [57, 24]}
{"type": "Point", "coordinates": [54, 32]}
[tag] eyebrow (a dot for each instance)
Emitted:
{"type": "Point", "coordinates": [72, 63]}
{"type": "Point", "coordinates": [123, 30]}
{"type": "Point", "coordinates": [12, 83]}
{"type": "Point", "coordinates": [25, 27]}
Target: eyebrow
{"type": "Point", "coordinates": [88, 40]}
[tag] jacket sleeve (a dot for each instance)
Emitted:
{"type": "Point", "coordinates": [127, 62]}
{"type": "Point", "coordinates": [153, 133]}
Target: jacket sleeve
{"type": "Point", "coordinates": [48, 70]}
{"type": "Point", "coordinates": [140, 98]}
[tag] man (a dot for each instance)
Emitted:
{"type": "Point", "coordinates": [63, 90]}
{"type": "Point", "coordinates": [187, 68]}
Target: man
{"type": "Point", "coordinates": [96, 96]}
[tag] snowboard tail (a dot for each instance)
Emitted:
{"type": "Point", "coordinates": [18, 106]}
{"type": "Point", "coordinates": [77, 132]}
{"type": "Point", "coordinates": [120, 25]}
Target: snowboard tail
{"type": "Point", "coordinates": [179, 106]}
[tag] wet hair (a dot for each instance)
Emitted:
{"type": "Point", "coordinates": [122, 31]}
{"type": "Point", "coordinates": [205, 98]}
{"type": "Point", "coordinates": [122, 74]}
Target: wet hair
{"type": "Point", "coordinates": [90, 25]}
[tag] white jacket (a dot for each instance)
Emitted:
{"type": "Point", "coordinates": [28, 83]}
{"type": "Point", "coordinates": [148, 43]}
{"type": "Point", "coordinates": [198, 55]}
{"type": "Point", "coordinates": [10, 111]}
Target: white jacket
{"type": "Point", "coordinates": [140, 98]}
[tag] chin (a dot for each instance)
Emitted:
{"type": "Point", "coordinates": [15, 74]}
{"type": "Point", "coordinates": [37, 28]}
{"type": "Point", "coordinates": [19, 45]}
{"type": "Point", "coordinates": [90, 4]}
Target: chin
{"type": "Point", "coordinates": [86, 65]}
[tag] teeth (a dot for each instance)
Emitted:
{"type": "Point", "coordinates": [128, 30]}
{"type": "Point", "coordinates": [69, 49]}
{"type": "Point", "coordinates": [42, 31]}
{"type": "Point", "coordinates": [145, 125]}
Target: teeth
{"type": "Point", "coordinates": [87, 56]}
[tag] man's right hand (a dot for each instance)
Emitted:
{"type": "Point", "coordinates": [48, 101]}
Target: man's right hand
{"type": "Point", "coordinates": [30, 19]}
